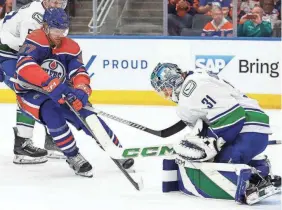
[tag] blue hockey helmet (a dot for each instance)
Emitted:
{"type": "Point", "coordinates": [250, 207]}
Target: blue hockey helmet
{"type": "Point", "coordinates": [56, 18]}
{"type": "Point", "coordinates": [167, 80]}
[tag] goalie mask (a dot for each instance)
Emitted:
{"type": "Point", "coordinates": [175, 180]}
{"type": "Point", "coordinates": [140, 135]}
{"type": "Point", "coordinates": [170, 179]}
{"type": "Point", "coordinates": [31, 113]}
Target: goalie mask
{"type": "Point", "coordinates": [55, 4]}
{"type": "Point", "coordinates": [167, 80]}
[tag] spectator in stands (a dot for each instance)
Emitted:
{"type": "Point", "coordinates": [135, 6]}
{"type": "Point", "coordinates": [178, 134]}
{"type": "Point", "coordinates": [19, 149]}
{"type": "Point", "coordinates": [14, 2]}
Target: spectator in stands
{"type": "Point", "coordinates": [270, 13]}
{"type": "Point", "coordinates": [2, 2]}
{"type": "Point", "coordinates": [240, 12]}
{"type": "Point", "coordinates": [7, 7]}
{"type": "Point", "coordinates": [252, 25]}
{"type": "Point", "coordinates": [278, 7]}
{"type": "Point", "coordinates": [219, 26]}
{"type": "Point", "coordinates": [205, 6]}
{"type": "Point", "coordinates": [180, 15]}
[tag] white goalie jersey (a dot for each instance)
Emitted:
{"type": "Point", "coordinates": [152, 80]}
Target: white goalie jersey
{"type": "Point", "coordinates": [219, 104]}
{"type": "Point", "coordinates": [16, 25]}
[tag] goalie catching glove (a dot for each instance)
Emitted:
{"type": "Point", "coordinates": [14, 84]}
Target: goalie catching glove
{"type": "Point", "coordinates": [196, 147]}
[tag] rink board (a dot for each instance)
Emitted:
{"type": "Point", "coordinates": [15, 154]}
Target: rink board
{"type": "Point", "coordinates": [267, 101]}
{"type": "Point", "coordinates": [120, 67]}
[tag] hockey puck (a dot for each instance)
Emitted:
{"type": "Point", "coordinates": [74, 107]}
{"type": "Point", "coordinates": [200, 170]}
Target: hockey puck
{"type": "Point", "coordinates": [128, 163]}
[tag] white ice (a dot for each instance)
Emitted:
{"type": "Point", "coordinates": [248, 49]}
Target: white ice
{"type": "Point", "coordinates": [53, 185]}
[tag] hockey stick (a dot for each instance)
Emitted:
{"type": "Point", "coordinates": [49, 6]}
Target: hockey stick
{"type": "Point", "coordinates": [162, 133]}
{"type": "Point", "coordinates": [148, 151]}
{"type": "Point", "coordinates": [143, 152]}
{"type": "Point", "coordinates": [137, 185]}
{"type": "Point", "coordinates": [180, 125]}
{"type": "Point", "coordinates": [273, 142]}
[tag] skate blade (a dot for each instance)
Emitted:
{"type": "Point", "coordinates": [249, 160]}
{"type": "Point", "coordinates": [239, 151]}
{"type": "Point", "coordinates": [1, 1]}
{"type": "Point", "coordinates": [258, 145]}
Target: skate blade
{"type": "Point", "coordinates": [87, 174]}
{"type": "Point", "coordinates": [23, 159]}
{"type": "Point", "coordinates": [255, 197]}
{"type": "Point", "coordinates": [55, 155]}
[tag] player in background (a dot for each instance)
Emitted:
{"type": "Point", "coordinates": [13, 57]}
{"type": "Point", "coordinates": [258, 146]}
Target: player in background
{"type": "Point", "coordinates": [14, 28]}
{"type": "Point", "coordinates": [57, 63]}
{"type": "Point", "coordinates": [233, 128]}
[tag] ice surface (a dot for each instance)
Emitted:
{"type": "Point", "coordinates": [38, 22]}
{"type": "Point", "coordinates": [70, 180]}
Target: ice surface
{"type": "Point", "coordinates": [53, 185]}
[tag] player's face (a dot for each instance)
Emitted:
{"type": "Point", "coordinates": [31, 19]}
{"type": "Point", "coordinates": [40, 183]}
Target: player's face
{"type": "Point", "coordinates": [166, 92]}
{"type": "Point", "coordinates": [57, 4]}
{"type": "Point", "coordinates": [56, 35]}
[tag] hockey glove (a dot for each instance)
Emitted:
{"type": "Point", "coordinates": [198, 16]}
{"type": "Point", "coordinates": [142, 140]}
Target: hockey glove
{"type": "Point", "coordinates": [82, 92]}
{"type": "Point", "coordinates": [56, 89]}
{"type": "Point", "coordinates": [78, 98]}
{"type": "Point", "coordinates": [194, 148]}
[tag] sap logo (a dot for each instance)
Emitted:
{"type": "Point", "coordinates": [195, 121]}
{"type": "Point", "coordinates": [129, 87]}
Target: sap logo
{"type": "Point", "coordinates": [213, 63]}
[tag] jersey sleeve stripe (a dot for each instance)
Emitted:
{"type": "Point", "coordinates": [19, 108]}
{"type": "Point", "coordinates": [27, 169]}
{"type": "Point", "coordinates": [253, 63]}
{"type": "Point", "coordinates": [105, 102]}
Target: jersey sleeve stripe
{"type": "Point", "coordinates": [25, 65]}
{"type": "Point", "coordinates": [68, 53]}
{"type": "Point", "coordinates": [229, 118]}
{"type": "Point", "coordinates": [224, 113]}
{"type": "Point", "coordinates": [225, 125]}
{"type": "Point", "coordinates": [23, 61]}
{"type": "Point", "coordinates": [37, 43]}
{"type": "Point", "coordinates": [72, 72]}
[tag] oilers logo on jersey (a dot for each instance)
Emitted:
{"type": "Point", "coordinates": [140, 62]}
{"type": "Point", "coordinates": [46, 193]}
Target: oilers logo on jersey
{"type": "Point", "coordinates": [54, 68]}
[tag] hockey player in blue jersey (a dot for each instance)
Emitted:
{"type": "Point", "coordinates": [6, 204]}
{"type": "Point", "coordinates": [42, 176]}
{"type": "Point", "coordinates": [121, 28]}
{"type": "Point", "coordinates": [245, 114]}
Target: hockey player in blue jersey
{"type": "Point", "coordinates": [14, 28]}
{"type": "Point", "coordinates": [57, 63]}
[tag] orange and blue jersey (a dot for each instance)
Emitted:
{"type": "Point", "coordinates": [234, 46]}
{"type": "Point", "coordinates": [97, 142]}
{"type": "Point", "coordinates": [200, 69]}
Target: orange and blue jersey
{"type": "Point", "coordinates": [224, 29]}
{"type": "Point", "coordinates": [36, 50]}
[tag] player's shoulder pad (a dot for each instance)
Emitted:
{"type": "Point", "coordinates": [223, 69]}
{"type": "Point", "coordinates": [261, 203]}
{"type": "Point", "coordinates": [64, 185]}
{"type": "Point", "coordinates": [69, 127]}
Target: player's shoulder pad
{"type": "Point", "coordinates": [29, 9]}
{"type": "Point", "coordinates": [69, 47]}
{"type": "Point", "coordinates": [38, 37]}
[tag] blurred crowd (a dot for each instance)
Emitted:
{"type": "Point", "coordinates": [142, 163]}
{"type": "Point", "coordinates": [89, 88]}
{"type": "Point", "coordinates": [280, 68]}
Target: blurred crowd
{"type": "Point", "coordinates": [214, 18]}
{"type": "Point", "coordinates": [5, 7]}
{"type": "Point", "coordinates": [254, 18]}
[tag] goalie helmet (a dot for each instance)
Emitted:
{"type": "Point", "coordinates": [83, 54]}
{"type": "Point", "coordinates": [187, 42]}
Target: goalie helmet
{"type": "Point", "coordinates": [167, 80]}
{"type": "Point", "coordinates": [55, 3]}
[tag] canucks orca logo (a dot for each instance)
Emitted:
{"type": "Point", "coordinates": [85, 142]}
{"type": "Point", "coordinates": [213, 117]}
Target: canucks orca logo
{"type": "Point", "coordinates": [54, 68]}
{"type": "Point", "coordinates": [213, 63]}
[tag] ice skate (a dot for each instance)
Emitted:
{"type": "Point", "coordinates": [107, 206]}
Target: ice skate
{"type": "Point", "coordinates": [26, 153]}
{"type": "Point", "coordinates": [80, 165]}
{"type": "Point", "coordinates": [262, 189]}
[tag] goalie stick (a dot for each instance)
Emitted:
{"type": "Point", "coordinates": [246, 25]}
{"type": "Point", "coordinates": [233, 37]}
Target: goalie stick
{"type": "Point", "coordinates": [137, 185]}
{"type": "Point", "coordinates": [160, 150]}
{"type": "Point", "coordinates": [180, 125]}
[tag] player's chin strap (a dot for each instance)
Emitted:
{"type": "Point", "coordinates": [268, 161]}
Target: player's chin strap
{"type": "Point", "coordinates": [195, 147]}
